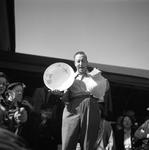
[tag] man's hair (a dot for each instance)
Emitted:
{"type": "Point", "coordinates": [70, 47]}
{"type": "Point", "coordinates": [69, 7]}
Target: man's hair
{"type": "Point", "coordinates": [81, 53]}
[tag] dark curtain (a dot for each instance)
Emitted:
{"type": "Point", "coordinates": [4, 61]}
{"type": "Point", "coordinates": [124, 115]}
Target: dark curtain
{"type": "Point", "coordinates": [7, 25]}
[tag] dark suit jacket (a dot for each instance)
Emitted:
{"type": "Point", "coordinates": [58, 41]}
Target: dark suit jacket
{"type": "Point", "coordinates": [46, 103]}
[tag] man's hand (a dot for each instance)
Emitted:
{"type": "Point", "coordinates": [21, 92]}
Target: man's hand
{"type": "Point", "coordinates": [57, 92]}
{"type": "Point", "coordinates": [26, 103]}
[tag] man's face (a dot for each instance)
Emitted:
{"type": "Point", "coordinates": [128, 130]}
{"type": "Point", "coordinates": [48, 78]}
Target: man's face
{"type": "Point", "coordinates": [3, 83]}
{"type": "Point", "coordinates": [81, 63]}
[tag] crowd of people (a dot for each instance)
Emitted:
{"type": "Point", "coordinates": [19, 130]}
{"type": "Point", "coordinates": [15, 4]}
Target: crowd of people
{"type": "Point", "coordinates": [77, 118]}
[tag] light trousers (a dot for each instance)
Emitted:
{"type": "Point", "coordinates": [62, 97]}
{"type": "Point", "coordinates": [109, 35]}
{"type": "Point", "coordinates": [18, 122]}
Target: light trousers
{"type": "Point", "coordinates": [81, 119]}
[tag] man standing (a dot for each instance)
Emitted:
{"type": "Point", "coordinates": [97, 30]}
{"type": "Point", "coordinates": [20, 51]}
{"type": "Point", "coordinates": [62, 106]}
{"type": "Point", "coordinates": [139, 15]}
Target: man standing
{"type": "Point", "coordinates": [81, 115]}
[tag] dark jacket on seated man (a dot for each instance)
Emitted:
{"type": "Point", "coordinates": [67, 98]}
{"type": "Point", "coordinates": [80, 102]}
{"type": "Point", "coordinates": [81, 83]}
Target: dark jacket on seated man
{"type": "Point", "coordinates": [48, 109]}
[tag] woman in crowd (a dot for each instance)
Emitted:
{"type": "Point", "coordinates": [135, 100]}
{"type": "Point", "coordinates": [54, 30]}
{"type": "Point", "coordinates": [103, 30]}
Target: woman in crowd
{"type": "Point", "coordinates": [17, 111]}
{"type": "Point", "coordinates": [124, 136]}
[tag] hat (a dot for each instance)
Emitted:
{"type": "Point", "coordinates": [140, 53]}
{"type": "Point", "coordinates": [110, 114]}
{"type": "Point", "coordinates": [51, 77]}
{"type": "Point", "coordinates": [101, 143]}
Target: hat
{"type": "Point", "coordinates": [14, 84]}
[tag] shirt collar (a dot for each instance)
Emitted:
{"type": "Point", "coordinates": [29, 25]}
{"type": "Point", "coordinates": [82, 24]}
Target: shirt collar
{"type": "Point", "coordinates": [78, 74]}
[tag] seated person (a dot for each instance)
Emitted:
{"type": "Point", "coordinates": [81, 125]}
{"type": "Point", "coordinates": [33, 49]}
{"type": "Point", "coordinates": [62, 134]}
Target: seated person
{"type": "Point", "coordinates": [16, 111]}
{"type": "Point", "coordinates": [124, 136]}
{"type": "Point", "coordinates": [142, 134]}
{"type": "Point", "coordinates": [48, 111]}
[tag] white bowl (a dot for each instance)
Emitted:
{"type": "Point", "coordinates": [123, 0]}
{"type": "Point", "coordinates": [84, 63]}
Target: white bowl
{"type": "Point", "coordinates": [58, 76]}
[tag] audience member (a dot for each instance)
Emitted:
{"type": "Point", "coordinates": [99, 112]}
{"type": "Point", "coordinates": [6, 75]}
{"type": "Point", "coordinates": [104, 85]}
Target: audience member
{"type": "Point", "coordinates": [48, 109]}
{"type": "Point", "coordinates": [142, 134]}
{"type": "Point", "coordinates": [17, 111]}
{"type": "Point", "coordinates": [124, 135]}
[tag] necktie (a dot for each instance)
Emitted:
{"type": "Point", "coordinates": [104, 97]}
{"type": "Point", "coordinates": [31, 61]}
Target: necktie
{"type": "Point", "coordinates": [81, 76]}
